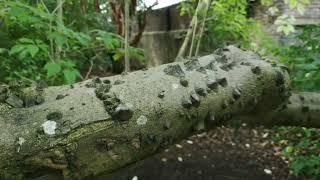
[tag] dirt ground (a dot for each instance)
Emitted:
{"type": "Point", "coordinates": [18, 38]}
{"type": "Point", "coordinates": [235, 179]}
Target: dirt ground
{"type": "Point", "coordinates": [221, 154]}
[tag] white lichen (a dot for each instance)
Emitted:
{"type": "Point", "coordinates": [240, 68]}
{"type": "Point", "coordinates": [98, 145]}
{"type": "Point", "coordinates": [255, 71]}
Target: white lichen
{"type": "Point", "coordinates": [164, 159]}
{"type": "Point", "coordinates": [142, 120]}
{"type": "Point", "coordinates": [175, 86]}
{"type": "Point", "coordinates": [189, 142]}
{"type": "Point", "coordinates": [49, 127]}
{"type": "Point", "coordinates": [129, 105]}
{"type": "Point", "coordinates": [21, 140]}
{"type": "Point", "coordinates": [267, 171]}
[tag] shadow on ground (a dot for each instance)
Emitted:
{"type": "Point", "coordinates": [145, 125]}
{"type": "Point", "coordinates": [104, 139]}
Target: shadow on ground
{"type": "Point", "coordinates": [221, 154]}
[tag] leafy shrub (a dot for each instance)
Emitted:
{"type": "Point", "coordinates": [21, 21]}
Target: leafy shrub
{"type": "Point", "coordinates": [299, 51]}
{"type": "Point", "coordinates": [37, 46]}
{"type": "Point", "coordinates": [302, 148]}
{"type": "Point", "coordinates": [227, 22]}
{"type": "Point", "coordinates": [302, 55]}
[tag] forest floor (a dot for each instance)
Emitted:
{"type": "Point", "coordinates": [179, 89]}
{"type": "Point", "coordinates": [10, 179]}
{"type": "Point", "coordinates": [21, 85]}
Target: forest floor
{"type": "Point", "coordinates": [221, 154]}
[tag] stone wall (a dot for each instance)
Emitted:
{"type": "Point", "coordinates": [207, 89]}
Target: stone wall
{"type": "Point", "coordinates": [166, 19]}
{"type": "Point", "coordinates": [161, 47]}
{"type": "Point", "coordinates": [311, 15]}
{"type": "Point", "coordinates": [163, 35]}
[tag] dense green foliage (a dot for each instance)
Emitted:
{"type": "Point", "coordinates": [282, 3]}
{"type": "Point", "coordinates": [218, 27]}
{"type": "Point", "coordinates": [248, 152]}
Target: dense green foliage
{"type": "Point", "coordinates": [226, 22]}
{"type": "Point", "coordinates": [302, 149]}
{"type": "Point", "coordinates": [302, 54]}
{"type": "Point", "coordinates": [36, 44]}
{"type": "Point", "coordinates": [229, 23]}
{"type": "Point", "coordinates": [299, 51]}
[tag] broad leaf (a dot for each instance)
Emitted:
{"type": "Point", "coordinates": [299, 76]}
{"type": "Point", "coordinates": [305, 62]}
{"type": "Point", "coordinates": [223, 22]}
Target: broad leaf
{"type": "Point", "coordinates": [26, 41]}
{"type": "Point", "coordinates": [70, 76]}
{"type": "Point", "coordinates": [59, 38]}
{"type": "Point", "coordinates": [67, 64]}
{"type": "Point", "coordinates": [16, 49]}
{"type": "Point", "coordinates": [32, 50]}
{"type": "Point", "coordinates": [3, 50]}
{"type": "Point", "coordinates": [52, 69]}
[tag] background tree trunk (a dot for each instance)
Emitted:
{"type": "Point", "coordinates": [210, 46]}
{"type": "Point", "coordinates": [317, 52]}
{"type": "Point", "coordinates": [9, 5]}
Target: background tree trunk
{"type": "Point", "coordinates": [101, 125]}
{"type": "Point", "coordinates": [126, 37]}
{"type": "Point", "coordinates": [302, 109]}
{"type": "Point", "coordinates": [184, 46]}
{"type": "Point", "coordinates": [60, 26]}
{"type": "Point", "coordinates": [203, 25]}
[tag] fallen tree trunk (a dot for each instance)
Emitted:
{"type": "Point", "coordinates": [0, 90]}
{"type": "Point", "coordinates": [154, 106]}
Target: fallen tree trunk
{"type": "Point", "coordinates": [103, 124]}
{"type": "Point", "coordinates": [302, 109]}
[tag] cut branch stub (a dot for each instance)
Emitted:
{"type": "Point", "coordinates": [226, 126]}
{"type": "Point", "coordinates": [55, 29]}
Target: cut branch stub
{"type": "Point", "coordinates": [174, 70]}
{"type": "Point", "coordinates": [122, 113]}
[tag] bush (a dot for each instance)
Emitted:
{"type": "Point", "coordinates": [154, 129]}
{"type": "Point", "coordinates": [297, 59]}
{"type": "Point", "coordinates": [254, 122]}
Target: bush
{"type": "Point", "coordinates": [302, 149]}
{"type": "Point", "coordinates": [37, 46]}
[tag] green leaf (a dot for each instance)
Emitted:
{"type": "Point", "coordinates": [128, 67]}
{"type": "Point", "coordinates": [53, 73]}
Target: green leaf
{"type": "Point", "coordinates": [289, 149]}
{"type": "Point", "coordinates": [110, 40]}
{"type": "Point", "coordinates": [52, 69]}
{"type": "Point", "coordinates": [266, 2]}
{"type": "Point", "coordinates": [32, 50]}
{"type": "Point", "coordinates": [118, 56]}
{"type": "Point", "coordinates": [26, 41]}
{"type": "Point", "coordinates": [22, 55]}
{"type": "Point", "coordinates": [137, 54]}
{"type": "Point", "coordinates": [301, 9]}
{"type": "Point", "coordinates": [70, 76]}
{"type": "Point", "coordinates": [18, 11]}
{"type": "Point", "coordinates": [3, 50]}
{"type": "Point", "coordinates": [83, 39]}
{"type": "Point", "coordinates": [293, 3]}
{"type": "Point", "coordinates": [16, 49]}
{"type": "Point", "coordinates": [297, 166]}
{"type": "Point", "coordinates": [67, 64]}
{"type": "Point", "coordinates": [23, 50]}
{"type": "Point", "coordinates": [58, 38]}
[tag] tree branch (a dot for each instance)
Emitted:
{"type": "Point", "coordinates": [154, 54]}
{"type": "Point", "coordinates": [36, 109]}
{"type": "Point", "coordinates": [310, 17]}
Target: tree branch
{"type": "Point", "coordinates": [142, 24]}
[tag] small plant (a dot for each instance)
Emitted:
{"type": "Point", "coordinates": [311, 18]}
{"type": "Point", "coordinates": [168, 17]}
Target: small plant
{"type": "Point", "coordinates": [302, 149]}
{"type": "Point", "coordinates": [302, 56]}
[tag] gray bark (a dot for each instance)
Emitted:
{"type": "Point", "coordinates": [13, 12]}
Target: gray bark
{"type": "Point", "coordinates": [104, 124]}
{"type": "Point", "coordinates": [302, 109]}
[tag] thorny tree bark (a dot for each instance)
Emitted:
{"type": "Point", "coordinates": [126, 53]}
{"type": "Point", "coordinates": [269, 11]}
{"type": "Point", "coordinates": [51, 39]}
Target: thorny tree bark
{"type": "Point", "coordinates": [101, 125]}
